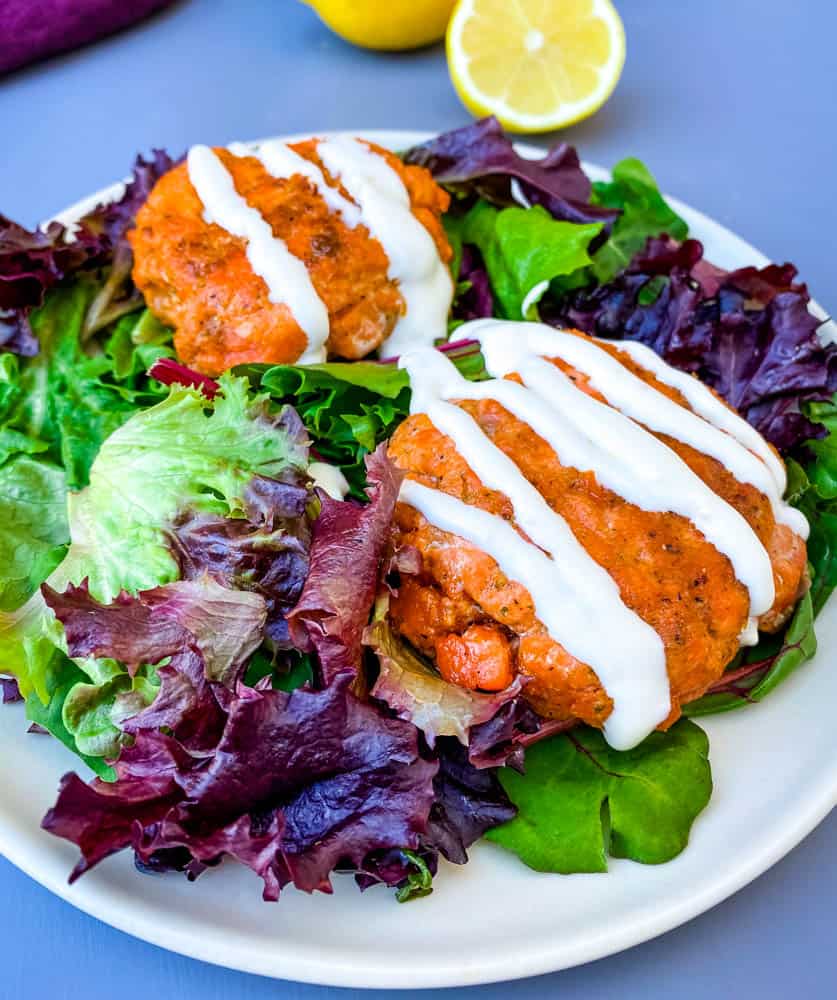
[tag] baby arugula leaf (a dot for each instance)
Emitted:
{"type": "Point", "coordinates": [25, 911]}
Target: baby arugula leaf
{"type": "Point", "coordinates": [580, 800]}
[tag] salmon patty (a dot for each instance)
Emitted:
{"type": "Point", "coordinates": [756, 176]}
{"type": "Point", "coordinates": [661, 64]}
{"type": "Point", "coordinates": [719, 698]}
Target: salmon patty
{"type": "Point", "coordinates": [480, 627]}
{"type": "Point", "coordinates": [196, 276]}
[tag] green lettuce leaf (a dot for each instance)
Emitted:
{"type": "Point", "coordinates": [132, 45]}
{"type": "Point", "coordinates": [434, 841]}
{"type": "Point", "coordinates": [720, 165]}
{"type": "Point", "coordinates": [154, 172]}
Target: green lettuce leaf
{"type": "Point", "coordinates": [580, 800]}
{"type": "Point", "coordinates": [59, 676]}
{"type": "Point", "coordinates": [645, 213]}
{"type": "Point", "coordinates": [75, 394]}
{"type": "Point", "coordinates": [29, 636]}
{"type": "Point", "coordinates": [812, 487]}
{"type": "Point", "coordinates": [94, 706]}
{"type": "Point", "coordinates": [33, 526]}
{"type": "Point", "coordinates": [523, 248]}
{"type": "Point", "coordinates": [184, 454]}
{"type": "Point", "coordinates": [347, 409]}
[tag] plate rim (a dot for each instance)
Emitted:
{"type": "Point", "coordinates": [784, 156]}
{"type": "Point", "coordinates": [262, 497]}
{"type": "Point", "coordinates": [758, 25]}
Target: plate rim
{"type": "Point", "coordinates": [22, 850]}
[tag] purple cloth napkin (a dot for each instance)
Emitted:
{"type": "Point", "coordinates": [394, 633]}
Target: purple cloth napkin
{"type": "Point", "coordinates": [34, 29]}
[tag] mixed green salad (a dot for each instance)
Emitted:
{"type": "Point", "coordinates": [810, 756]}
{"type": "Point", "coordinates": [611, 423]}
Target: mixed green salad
{"type": "Point", "coordinates": [206, 632]}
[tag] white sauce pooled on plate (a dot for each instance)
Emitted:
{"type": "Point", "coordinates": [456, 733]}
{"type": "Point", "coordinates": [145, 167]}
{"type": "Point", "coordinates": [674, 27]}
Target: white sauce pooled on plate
{"type": "Point", "coordinates": [414, 262]}
{"type": "Point", "coordinates": [286, 276]}
{"type": "Point", "coordinates": [612, 442]}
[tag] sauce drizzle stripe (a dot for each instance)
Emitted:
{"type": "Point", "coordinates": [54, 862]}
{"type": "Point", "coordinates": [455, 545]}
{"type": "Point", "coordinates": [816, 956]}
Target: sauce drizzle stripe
{"type": "Point", "coordinates": [646, 405]}
{"type": "Point", "coordinates": [565, 583]}
{"type": "Point", "coordinates": [285, 275]}
{"type": "Point", "coordinates": [282, 162]}
{"type": "Point", "coordinates": [640, 697]}
{"type": "Point", "coordinates": [424, 281]}
{"type": "Point", "coordinates": [593, 437]}
{"type": "Point", "coordinates": [704, 402]}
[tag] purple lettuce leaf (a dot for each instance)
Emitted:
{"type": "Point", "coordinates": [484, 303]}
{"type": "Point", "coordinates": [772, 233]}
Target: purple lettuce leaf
{"type": "Point", "coordinates": [113, 220]}
{"type": "Point", "coordinates": [30, 264]}
{"type": "Point", "coordinates": [205, 632]}
{"type": "Point", "coordinates": [298, 785]}
{"type": "Point", "coordinates": [224, 626]}
{"type": "Point", "coordinates": [349, 543]}
{"type": "Point", "coordinates": [481, 159]}
{"type": "Point", "coordinates": [171, 372]}
{"type": "Point", "coordinates": [477, 301]}
{"type": "Point", "coordinates": [468, 801]}
{"type": "Point", "coordinates": [502, 740]}
{"type": "Point", "coordinates": [10, 690]}
{"type": "Point", "coordinates": [105, 817]}
{"type": "Point", "coordinates": [415, 691]}
{"type": "Point", "coordinates": [272, 562]}
{"type": "Point", "coordinates": [749, 334]}
{"type": "Point", "coordinates": [266, 553]}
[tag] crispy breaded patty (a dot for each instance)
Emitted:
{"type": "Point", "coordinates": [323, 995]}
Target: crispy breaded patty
{"type": "Point", "coordinates": [196, 277]}
{"type": "Point", "coordinates": [666, 571]}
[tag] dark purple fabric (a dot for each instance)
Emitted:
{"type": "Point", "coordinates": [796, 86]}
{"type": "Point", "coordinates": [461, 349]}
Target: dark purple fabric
{"type": "Point", "coordinates": [35, 29]}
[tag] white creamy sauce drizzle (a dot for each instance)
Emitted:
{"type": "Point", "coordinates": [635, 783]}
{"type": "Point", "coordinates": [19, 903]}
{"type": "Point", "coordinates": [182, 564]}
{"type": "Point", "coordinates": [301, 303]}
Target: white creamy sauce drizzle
{"type": "Point", "coordinates": [414, 262]}
{"type": "Point", "coordinates": [518, 194]}
{"type": "Point", "coordinates": [282, 162]}
{"type": "Point", "coordinates": [533, 297]}
{"type": "Point", "coordinates": [593, 437]}
{"type": "Point", "coordinates": [641, 402]}
{"type": "Point", "coordinates": [329, 478]}
{"type": "Point", "coordinates": [704, 402]}
{"type": "Point", "coordinates": [566, 585]}
{"type": "Point", "coordinates": [286, 276]}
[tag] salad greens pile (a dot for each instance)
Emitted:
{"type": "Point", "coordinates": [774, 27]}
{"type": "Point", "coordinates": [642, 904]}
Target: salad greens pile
{"type": "Point", "coordinates": [183, 610]}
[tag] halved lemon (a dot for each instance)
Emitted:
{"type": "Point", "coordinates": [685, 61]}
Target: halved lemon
{"type": "Point", "coordinates": [535, 64]}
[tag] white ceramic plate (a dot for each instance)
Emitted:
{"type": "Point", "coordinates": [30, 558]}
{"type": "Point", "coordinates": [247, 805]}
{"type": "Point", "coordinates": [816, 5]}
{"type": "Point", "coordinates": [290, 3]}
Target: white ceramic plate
{"type": "Point", "coordinates": [775, 768]}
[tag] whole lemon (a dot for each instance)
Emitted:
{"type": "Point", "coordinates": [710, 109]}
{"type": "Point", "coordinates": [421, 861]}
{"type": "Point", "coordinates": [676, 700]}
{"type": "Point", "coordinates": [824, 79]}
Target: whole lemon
{"type": "Point", "coordinates": [391, 24]}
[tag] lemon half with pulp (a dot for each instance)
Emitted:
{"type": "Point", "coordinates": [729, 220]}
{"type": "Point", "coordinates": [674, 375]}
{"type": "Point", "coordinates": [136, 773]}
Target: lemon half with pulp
{"type": "Point", "coordinates": [535, 64]}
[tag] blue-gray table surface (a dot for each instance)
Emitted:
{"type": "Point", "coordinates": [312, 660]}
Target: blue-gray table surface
{"type": "Point", "coordinates": [731, 103]}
